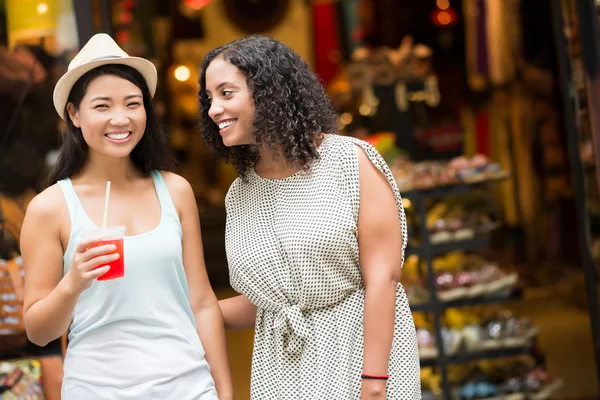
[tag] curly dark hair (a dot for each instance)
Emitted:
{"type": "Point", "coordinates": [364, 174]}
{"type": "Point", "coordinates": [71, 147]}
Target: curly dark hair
{"type": "Point", "coordinates": [292, 111]}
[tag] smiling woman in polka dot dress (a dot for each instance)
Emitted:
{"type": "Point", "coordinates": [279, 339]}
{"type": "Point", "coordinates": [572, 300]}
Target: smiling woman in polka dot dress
{"type": "Point", "coordinates": [315, 234]}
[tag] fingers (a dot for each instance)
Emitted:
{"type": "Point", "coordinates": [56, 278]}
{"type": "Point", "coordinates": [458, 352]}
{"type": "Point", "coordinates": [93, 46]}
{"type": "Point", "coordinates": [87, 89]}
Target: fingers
{"type": "Point", "coordinates": [85, 255]}
{"type": "Point", "coordinates": [94, 262]}
{"type": "Point", "coordinates": [97, 272]}
{"type": "Point", "coordinates": [85, 243]}
{"type": "Point", "coordinates": [98, 251]}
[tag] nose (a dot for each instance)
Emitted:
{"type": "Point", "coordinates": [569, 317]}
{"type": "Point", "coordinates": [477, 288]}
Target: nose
{"type": "Point", "coordinates": [119, 117]}
{"type": "Point", "coordinates": [215, 110]}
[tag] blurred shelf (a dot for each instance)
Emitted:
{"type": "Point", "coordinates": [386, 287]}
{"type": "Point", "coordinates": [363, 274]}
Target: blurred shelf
{"type": "Point", "coordinates": [496, 298]}
{"type": "Point", "coordinates": [478, 242]}
{"type": "Point", "coordinates": [450, 189]}
{"type": "Point", "coordinates": [478, 356]}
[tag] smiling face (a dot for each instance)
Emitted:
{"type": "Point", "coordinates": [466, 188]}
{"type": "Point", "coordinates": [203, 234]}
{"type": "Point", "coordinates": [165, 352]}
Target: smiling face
{"type": "Point", "coordinates": [231, 105]}
{"type": "Point", "coordinates": [111, 116]}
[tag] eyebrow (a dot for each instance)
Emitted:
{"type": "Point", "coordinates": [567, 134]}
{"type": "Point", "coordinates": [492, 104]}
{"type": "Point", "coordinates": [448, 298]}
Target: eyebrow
{"type": "Point", "coordinates": [220, 85]}
{"type": "Point", "coordinates": [131, 96]}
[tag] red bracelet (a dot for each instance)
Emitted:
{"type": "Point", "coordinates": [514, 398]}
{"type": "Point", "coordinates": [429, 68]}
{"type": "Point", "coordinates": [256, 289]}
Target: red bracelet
{"type": "Point", "coordinates": [382, 377]}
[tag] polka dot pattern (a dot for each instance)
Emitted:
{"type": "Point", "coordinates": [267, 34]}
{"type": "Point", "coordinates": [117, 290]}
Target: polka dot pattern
{"type": "Point", "coordinates": [292, 249]}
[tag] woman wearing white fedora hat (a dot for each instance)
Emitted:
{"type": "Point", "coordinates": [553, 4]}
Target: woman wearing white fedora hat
{"type": "Point", "coordinates": [157, 332]}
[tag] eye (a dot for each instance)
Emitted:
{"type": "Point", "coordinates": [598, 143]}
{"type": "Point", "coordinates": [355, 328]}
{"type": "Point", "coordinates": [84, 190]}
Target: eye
{"type": "Point", "coordinates": [136, 104]}
{"type": "Point", "coordinates": [227, 92]}
{"type": "Point", "coordinates": [208, 100]}
{"type": "Point", "coordinates": [101, 106]}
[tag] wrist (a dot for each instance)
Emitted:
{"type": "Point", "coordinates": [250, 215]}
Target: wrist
{"type": "Point", "coordinates": [373, 389]}
{"type": "Point", "coordinates": [226, 396]}
{"type": "Point", "coordinates": [67, 287]}
{"type": "Point", "coordinates": [225, 393]}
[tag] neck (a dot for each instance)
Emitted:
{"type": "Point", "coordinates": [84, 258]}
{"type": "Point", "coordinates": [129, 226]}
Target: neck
{"type": "Point", "coordinates": [272, 164]}
{"type": "Point", "coordinates": [99, 169]}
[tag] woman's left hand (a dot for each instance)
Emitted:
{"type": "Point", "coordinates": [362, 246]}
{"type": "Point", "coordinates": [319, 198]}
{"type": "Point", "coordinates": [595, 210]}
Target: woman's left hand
{"type": "Point", "coordinates": [373, 389]}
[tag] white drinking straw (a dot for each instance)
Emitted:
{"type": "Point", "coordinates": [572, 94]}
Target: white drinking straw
{"type": "Point", "coordinates": [106, 204]}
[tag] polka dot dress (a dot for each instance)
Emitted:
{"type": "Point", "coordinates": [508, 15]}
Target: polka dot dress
{"type": "Point", "coordinates": [292, 248]}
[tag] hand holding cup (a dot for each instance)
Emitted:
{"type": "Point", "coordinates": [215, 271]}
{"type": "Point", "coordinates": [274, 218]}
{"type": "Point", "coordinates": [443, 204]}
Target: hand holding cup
{"type": "Point", "coordinates": [90, 263]}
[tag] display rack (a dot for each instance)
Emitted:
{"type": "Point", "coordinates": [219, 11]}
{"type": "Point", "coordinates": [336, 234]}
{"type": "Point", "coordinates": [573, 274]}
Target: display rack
{"type": "Point", "coordinates": [583, 18]}
{"type": "Point", "coordinates": [426, 252]}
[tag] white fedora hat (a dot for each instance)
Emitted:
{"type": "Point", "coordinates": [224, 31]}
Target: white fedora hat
{"type": "Point", "coordinates": [101, 49]}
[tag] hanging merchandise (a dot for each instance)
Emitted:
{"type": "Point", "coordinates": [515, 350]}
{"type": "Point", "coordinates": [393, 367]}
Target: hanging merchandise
{"type": "Point", "coordinates": [394, 90]}
{"type": "Point", "coordinates": [500, 25]}
{"type": "Point", "coordinates": [491, 35]}
{"type": "Point", "coordinates": [476, 44]}
{"type": "Point", "coordinates": [327, 51]}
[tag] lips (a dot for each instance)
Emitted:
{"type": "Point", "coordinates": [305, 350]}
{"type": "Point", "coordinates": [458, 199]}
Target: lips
{"type": "Point", "coordinates": [223, 125]}
{"type": "Point", "coordinates": [118, 137]}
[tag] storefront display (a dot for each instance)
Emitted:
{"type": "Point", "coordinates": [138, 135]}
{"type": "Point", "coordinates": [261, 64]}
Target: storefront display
{"type": "Point", "coordinates": [576, 30]}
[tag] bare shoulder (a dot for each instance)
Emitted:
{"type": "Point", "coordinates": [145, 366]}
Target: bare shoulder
{"type": "Point", "coordinates": [366, 167]}
{"type": "Point", "coordinates": [177, 184]}
{"type": "Point", "coordinates": [180, 189]}
{"type": "Point", "coordinates": [48, 205]}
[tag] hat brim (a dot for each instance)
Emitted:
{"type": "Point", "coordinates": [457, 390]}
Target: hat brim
{"type": "Point", "coordinates": [65, 83]}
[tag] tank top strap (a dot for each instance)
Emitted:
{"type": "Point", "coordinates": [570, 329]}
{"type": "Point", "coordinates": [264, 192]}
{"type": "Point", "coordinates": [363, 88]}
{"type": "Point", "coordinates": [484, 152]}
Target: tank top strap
{"type": "Point", "coordinates": [76, 211]}
{"type": "Point", "coordinates": [166, 203]}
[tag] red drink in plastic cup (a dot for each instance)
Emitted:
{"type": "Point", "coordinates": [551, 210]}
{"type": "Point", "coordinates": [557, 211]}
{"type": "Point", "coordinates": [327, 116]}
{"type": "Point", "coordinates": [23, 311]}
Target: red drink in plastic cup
{"type": "Point", "coordinates": [110, 235]}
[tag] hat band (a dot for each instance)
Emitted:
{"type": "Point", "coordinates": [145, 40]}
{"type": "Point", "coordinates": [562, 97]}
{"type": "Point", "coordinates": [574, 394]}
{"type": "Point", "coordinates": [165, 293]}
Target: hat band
{"type": "Point", "coordinates": [105, 58]}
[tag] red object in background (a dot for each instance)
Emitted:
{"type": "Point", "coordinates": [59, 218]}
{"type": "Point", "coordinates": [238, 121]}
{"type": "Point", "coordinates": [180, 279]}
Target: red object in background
{"type": "Point", "coordinates": [444, 138]}
{"type": "Point", "coordinates": [327, 44]}
{"type": "Point", "coordinates": [196, 4]}
{"type": "Point", "coordinates": [482, 131]}
{"type": "Point", "coordinates": [123, 37]}
{"type": "Point", "coordinates": [126, 18]}
{"type": "Point", "coordinates": [444, 18]}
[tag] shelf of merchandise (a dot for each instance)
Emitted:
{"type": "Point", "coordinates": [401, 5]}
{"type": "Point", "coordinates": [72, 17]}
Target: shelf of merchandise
{"type": "Point", "coordinates": [450, 189]}
{"type": "Point", "coordinates": [426, 252]}
{"type": "Point", "coordinates": [463, 358]}
{"type": "Point", "coordinates": [570, 65]}
{"type": "Point", "coordinates": [478, 242]}
{"type": "Point", "coordinates": [496, 298]}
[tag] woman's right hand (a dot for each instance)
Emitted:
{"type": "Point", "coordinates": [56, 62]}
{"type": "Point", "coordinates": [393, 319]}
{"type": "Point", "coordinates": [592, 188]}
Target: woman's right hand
{"type": "Point", "coordinates": [82, 272]}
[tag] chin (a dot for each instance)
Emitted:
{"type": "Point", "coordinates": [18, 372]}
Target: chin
{"type": "Point", "coordinates": [232, 140]}
{"type": "Point", "coordinates": [119, 153]}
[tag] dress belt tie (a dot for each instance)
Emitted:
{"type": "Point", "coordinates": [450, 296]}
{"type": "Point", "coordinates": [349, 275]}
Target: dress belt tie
{"type": "Point", "coordinates": [291, 327]}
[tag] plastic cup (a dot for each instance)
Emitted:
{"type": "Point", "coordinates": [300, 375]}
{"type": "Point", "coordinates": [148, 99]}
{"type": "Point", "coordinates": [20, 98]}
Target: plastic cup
{"type": "Point", "coordinates": [109, 235]}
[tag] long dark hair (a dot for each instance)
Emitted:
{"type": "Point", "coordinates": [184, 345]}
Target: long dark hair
{"type": "Point", "coordinates": [149, 154]}
{"type": "Point", "coordinates": [292, 110]}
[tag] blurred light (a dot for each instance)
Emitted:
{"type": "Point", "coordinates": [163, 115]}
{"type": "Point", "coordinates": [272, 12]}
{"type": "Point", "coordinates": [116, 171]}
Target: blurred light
{"type": "Point", "coordinates": [42, 8]}
{"type": "Point", "coordinates": [364, 110]}
{"type": "Point", "coordinates": [182, 73]}
{"type": "Point", "coordinates": [196, 4]}
{"type": "Point", "coordinates": [406, 203]}
{"type": "Point", "coordinates": [413, 258]}
{"type": "Point", "coordinates": [444, 18]}
{"type": "Point", "coordinates": [442, 4]}
{"type": "Point", "coordinates": [346, 118]}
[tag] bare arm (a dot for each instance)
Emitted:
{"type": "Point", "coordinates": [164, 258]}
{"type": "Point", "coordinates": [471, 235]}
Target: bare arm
{"type": "Point", "coordinates": [238, 312]}
{"type": "Point", "coordinates": [380, 244]}
{"type": "Point", "coordinates": [209, 321]}
{"type": "Point", "coordinates": [50, 299]}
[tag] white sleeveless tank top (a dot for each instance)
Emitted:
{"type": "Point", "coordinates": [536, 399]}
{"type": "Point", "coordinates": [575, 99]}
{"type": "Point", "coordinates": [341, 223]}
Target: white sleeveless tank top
{"type": "Point", "coordinates": [135, 337]}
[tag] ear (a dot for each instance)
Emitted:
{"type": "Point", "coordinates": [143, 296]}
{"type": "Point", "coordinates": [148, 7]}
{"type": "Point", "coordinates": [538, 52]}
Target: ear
{"type": "Point", "coordinates": [74, 115]}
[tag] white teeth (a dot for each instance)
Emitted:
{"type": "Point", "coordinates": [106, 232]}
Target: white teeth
{"type": "Point", "coordinates": [118, 136]}
{"type": "Point", "coordinates": [225, 124]}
